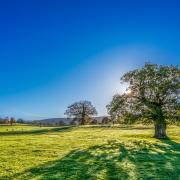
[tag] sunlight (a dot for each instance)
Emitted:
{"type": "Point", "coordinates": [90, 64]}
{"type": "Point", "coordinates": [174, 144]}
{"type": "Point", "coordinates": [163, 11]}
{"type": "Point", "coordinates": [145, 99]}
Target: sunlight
{"type": "Point", "coordinates": [128, 92]}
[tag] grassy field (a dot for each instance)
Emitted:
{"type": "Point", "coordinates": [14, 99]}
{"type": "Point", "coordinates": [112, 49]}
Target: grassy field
{"type": "Point", "coordinates": [90, 152]}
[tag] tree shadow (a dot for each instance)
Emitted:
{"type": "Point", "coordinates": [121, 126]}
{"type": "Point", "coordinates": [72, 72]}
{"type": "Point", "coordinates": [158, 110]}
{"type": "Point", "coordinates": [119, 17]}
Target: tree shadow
{"type": "Point", "coordinates": [171, 145]}
{"type": "Point", "coordinates": [113, 160]}
{"type": "Point", "coordinates": [36, 132]}
{"type": "Point", "coordinates": [117, 127]}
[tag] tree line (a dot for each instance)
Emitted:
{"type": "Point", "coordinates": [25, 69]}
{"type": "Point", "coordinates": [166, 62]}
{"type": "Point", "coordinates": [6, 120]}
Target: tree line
{"type": "Point", "coordinates": [152, 96]}
{"type": "Point", "coordinates": [11, 121]}
{"type": "Point", "coordinates": [7, 121]}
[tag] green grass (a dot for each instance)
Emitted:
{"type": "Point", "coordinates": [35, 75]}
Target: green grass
{"type": "Point", "coordinates": [90, 152]}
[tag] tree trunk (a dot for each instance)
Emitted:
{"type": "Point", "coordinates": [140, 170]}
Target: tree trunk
{"type": "Point", "coordinates": [83, 121]}
{"type": "Point", "coordinates": [83, 117]}
{"type": "Point", "coordinates": [160, 131]}
{"type": "Point", "coordinates": [159, 123]}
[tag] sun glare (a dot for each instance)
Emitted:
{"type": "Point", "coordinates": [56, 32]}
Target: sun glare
{"type": "Point", "coordinates": [128, 92]}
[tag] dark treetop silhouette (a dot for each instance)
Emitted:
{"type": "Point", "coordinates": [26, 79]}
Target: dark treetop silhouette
{"type": "Point", "coordinates": [81, 110]}
{"type": "Point", "coordinates": [153, 95]}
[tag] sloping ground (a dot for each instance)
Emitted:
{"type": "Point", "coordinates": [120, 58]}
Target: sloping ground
{"type": "Point", "coordinates": [90, 152]}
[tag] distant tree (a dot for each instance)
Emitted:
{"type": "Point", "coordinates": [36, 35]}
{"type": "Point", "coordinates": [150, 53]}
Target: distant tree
{"type": "Point", "coordinates": [1, 121]}
{"type": "Point", "coordinates": [153, 95]}
{"type": "Point", "coordinates": [81, 111]}
{"type": "Point", "coordinates": [73, 122]}
{"type": "Point", "coordinates": [12, 120]}
{"type": "Point", "coordinates": [106, 120]}
{"type": "Point", "coordinates": [61, 123]}
{"type": "Point", "coordinates": [6, 120]}
{"type": "Point", "coordinates": [94, 121]}
{"type": "Point", "coordinates": [20, 121]}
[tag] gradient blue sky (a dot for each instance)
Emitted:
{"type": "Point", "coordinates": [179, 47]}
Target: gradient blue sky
{"type": "Point", "coordinates": [53, 53]}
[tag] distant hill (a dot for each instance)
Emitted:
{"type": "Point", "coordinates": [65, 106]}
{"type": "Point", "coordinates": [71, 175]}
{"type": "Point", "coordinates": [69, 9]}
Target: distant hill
{"type": "Point", "coordinates": [55, 121]}
{"type": "Point", "coordinates": [64, 121]}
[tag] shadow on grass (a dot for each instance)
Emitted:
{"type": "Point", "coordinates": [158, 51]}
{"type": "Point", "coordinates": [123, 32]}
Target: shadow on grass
{"type": "Point", "coordinates": [113, 160]}
{"type": "Point", "coordinates": [116, 127]}
{"type": "Point", "coordinates": [35, 132]}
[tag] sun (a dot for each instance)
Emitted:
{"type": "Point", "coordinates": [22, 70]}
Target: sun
{"type": "Point", "coordinates": [128, 92]}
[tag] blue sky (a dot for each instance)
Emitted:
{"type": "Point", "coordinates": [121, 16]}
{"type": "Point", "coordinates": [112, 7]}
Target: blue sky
{"type": "Point", "coordinates": [53, 53]}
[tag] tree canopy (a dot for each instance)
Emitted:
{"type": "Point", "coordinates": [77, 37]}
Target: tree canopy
{"type": "Point", "coordinates": [153, 95]}
{"type": "Point", "coordinates": [81, 111]}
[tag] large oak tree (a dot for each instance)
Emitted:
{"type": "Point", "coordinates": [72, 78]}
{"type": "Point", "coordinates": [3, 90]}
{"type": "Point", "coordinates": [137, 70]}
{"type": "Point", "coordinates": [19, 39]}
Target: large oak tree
{"type": "Point", "coordinates": [153, 95]}
{"type": "Point", "coordinates": [81, 111]}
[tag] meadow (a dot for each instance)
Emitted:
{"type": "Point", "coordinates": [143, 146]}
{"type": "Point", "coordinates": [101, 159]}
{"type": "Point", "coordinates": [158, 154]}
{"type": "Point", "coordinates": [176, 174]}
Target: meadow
{"type": "Point", "coordinates": [88, 152]}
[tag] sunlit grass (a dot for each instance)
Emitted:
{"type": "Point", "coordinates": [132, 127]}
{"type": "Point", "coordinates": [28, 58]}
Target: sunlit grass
{"type": "Point", "coordinates": [90, 152]}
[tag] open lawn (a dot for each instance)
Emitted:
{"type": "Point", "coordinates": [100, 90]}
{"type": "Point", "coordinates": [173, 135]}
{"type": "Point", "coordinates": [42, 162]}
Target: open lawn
{"type": "Point", "coordinates": [89, 152]}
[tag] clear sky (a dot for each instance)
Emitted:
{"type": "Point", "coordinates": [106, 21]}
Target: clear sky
{"type": "Point", "coordinates": [53, 53]}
